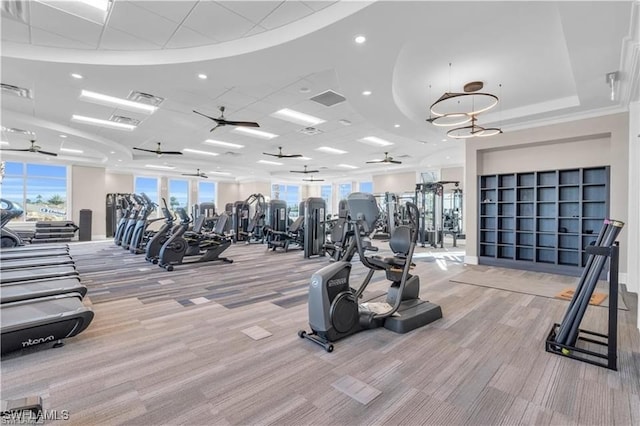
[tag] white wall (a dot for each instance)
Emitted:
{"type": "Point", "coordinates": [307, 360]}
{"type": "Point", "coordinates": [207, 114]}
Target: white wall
{"type": "Point", "coordinates": [633, 224]}
{"type": "Point", "coordinates": [245, 189]}
{"type": "Point", "coordinates": [118, 183]}
{"type": "Point", "coordinates": [589, 142]}
{"type": "Point", "coordinates": [227, 193]}
{"type": "Point", "coordinates": [395, 182]}
{"type": "Point", "coordinates": [88, 191]}
{"type": "Point", "coordinates": [455, 174]}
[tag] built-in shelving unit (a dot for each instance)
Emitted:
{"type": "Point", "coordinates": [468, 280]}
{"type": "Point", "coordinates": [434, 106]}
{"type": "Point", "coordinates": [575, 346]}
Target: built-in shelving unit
{"type": "Point", "coordinates": [541, 220]}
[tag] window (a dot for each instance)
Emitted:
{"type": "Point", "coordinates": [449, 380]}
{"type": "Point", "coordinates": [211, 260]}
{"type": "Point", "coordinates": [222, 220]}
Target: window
{"type": "Point", "coordinates": [344, 189]}
{"type": "Point", "coordinates": [366, 187]}
{"type": "Point", "coordinates": [178, 194]}
{"type": "Point", "coordinates": [149, 186]}
{"type": "Point", "coordinates": [326, 193]}
{"type": "Point", "coordinates": [40, 189]}
{"type": "Point", "coordinates": [288, 193]}
{"type": "Point", "coordinates": [206, 192]}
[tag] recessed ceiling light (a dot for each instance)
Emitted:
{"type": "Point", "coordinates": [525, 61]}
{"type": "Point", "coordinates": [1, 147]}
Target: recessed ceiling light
{"type": "Point", "coordinates": [102, 99]}
{"type": "Point", "coordinates": [330, 150]}
{"type": "Point", "coordinates": [221, 143]}
{"type": "Point", "coordinates": [220, 173]}
{"type": "Point", "coordinates": [304, 158]}
{"type": "Point", "coordinates": [255, 133]}
{"type": "Point", "coordinates": [78, 76]}
{"type": "Point", "coordinates": [366, 92]}
{"type": "Point", "coordinates": [273, 163]}
{"type": "Point", "coordinates": [63, 136]}
{"type": "Point", "coordinates": [112, 152]}
{"type": "Point", "coordinates": [396, 125]}
{"type": "Point", "coordinates": [297, 117]}
{"type": "Point", "coordinates": [347, 166]}
{"type": "Point", "coordinates": [196, 151]}
{"type": "Point", "coordinates": [444, 140]}
{"type": "Point", "coordinates": [448, 158]}
{"type": "Point", "coordinates": [360, 39]}
{"type": "Point", "coordinates": [119, 161]}
{"type": "Point", "coordinates": [202, 76]}
{"type": "Point", "coordinates": [373, 140]}
{"type": "Point", "coordinates": [74, 151]}
{"type": "Point", "coordinates": [102, 123]}
{"type": "Point", "coordinates": [154, 166]}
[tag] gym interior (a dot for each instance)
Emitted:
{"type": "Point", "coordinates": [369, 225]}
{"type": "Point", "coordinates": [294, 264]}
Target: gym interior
{"type": "Point", "coordinates": [320, 212]}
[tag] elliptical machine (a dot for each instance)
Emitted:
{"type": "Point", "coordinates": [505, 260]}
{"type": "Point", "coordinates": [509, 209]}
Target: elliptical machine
{"type": "Point", "coordinates": [334, 308]}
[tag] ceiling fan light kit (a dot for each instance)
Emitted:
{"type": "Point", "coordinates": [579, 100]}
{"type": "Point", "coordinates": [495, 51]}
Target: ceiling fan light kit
{"type": "Point", "coordinates": [458, 108]}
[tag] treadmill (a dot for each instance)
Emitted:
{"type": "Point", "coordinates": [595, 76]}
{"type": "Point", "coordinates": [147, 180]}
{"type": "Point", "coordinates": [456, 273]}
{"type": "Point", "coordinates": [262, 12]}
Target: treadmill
{"type": "Point", "coordinates": [35, 262]}
{"type": "Point", "coordinates": [15, 275]}
{"type": "Point", "coordinates": [40, 247]}
{"type": "Point", "coordinates": [35, 289]}
{"type": "Point", "coordinates": [48, 319]}
{"type": "Point", "coordinates": [26, 254]}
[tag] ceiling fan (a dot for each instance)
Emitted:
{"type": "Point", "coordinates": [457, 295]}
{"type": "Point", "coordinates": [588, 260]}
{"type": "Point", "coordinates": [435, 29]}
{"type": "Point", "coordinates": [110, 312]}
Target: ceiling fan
{"type": "Point", "coordinates": [386, 160]}
{"type": "Point", "coordinates": [33, 148]}
{"type": "Point", "coordinates": [281, 155]}
{"type": "Point", "coordinates": [305, 171]}
{"type": "Point", "coordinates": [158, 151]}
{"type": "Point", "coordinates": [198, 173]}
{"type": "Point", "coordinates": [313, 180]}
{"type": "Point", "coordinates": [221, 121]}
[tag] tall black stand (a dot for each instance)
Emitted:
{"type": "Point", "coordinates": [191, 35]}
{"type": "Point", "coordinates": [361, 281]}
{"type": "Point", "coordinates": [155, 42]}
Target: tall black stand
{"type": "Point", "coordinates": [610, 340]}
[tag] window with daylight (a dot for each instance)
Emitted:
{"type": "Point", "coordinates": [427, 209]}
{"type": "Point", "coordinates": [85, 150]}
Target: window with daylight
{"type": "Point", "coordinates": [148, 185]}
{"type": "Point", "coordinates": [39, 189]}
{"type": "Point", "coordinates": [207, 192]}
{"type": "Point", "coordinates": [326, 193]}
{"type": "Point", "coordinates": [344, 189]}
{"type": "Point", "coordinates": [178, 194]}
{"type": "Point", "coordinates": [288, 193]}
{"type": "Point", "coordinates": [366, 187]}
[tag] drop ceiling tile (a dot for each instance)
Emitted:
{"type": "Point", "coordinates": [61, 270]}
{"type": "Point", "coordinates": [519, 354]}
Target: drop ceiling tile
{"type": "Point", "coordinates": [217, 22]}
{"type": "Point", "coordinates": [64, 24]}
{"type": "Point", "coordinates": [255, 11]}
{"type": "Point", "coordinates": [289, 12]}
{"type": "Point", "coordinates": [318, 5]}
{"type": "Point", "coordinates": [45, 38]}
{"type": "Point", "coordinates": [175, 11]}
{"type": "Point", "coordinates": [139, 22]}
{"type": "Point", "coordinates": [13, 30]}
{"type": "Point", "coordinates": [186, 37]}
{"type": "Point", "coordinates": [113, 39]}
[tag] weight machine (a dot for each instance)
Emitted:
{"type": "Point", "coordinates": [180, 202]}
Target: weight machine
{"type": "Point", "coordinates": [435, 221]}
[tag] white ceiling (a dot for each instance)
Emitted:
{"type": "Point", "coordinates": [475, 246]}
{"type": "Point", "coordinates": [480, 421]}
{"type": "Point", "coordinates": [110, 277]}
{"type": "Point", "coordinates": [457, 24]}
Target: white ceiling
{"type": "Point", "coordinates": [545, 60]}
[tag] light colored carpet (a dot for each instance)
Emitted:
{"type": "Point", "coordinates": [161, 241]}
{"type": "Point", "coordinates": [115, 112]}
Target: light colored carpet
{"type": "Point", "coordinates": [545, 285]}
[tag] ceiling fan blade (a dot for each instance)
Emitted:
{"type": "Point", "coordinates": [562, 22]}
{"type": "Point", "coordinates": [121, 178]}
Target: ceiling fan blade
{"type": "Point", "coordinates": [291, 156]}
{"type": "Point", "coordinates": [214, 127]}
{"type": "Point", "coordinates": [217, 120]}
{"type": "Point", "coordinates": [313, 180]}
{"type": "Point", "coordinates": [305, 171]}
{"type": "Point", "coordinates": [23, 150]}
{"type": "Point", "coordinates": [375, 162]}
{"type": "Point", "coordinates": [146, 150]}
{"type": "Point", "coordinates": [189, 174]}
{"type": "Point", "coordinates": [204, 176]}
{"type": "Point", "coordinates": [395, 161]}
{"type": "Point", "coordinates": [273, 155]}
{"type": "Point", "coordinates": [240, 123]}
{"type": "Point", "coordinates": [52, 154]}
{"type": "Point", "coordinates": [172, 152]}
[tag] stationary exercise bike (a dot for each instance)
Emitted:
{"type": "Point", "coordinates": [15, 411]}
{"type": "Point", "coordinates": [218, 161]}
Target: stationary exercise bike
{"type": "Point", "coordinates": [334, 308]}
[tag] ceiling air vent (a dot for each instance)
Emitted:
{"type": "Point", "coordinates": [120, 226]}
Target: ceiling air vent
{"type": "Point", "coordinates": [124, 120]}
{"type": "Point", "coordinates": [310, 131]}
{"type": "Point", "coordinates": [145, 98]}
{"type": "Point", "coordinates": [328, 98]}
{"type": "Point", "coordinates": [8, 89]}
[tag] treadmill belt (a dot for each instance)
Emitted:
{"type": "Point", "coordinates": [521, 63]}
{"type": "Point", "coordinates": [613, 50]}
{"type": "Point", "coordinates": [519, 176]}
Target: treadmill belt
{"type": "Point", "coordinates": [37, 273]}
{"type": "Point", "coordinates": [35, 248]}
{"type": "Point", "coordinates": [36, 289]}
{"type": "Point", "coordinates": [35, 262]}
{"type": "Point", "coordinates": [15, 255]}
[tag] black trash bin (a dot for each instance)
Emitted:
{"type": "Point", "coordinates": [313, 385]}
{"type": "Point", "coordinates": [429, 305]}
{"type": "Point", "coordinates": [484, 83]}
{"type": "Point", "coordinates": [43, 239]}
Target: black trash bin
{"type": "Point", "coordinates": [84, 233]}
